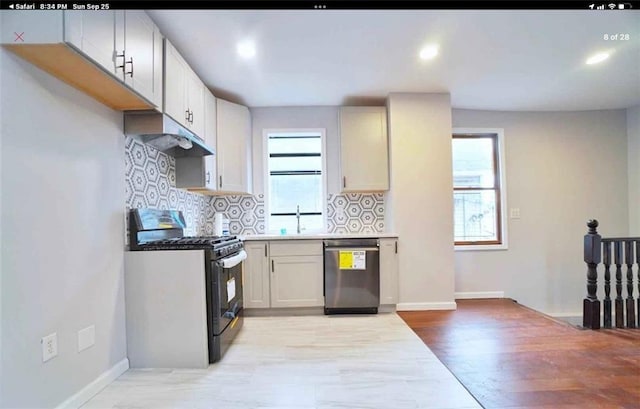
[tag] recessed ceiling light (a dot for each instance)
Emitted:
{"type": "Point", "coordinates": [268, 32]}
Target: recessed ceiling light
{"type": "Point", "coordinates": [428, 52]}
{"type": "Point", "coordinates": [597, 58]}
{"type": "Point", "coordinates": [246, 49]}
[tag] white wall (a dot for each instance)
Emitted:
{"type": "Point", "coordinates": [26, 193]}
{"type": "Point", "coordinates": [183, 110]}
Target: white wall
{"type": "Point", "coordinates": [562, 169]}
{"type": "Point", "coordinates": [1, 246]}
{"type": "Point", "coordinates": [296, 118]}
{"type": "Point", "coordinates": [633, 139]}
{"type": "Point", "coordinates": [420, 202]}
{"type": "Point", "coordinates": [62, 203]}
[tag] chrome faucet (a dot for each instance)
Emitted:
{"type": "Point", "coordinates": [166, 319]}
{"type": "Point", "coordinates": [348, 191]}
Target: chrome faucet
{"type": "Point", "coordinates": [298, 217]}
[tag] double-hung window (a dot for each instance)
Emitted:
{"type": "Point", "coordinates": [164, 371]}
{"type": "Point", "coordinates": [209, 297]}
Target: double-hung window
{"type": "Point", "coordinates": [478, 190]}
{"type": "Point", "coordinates": [295, 181]}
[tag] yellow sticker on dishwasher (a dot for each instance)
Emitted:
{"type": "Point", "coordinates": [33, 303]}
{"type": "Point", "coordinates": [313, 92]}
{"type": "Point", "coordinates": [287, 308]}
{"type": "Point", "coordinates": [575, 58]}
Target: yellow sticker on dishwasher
{"type": "Point", "coordinates": [353, 260]}
{"type": "Point", "coordinates": [346, 259]}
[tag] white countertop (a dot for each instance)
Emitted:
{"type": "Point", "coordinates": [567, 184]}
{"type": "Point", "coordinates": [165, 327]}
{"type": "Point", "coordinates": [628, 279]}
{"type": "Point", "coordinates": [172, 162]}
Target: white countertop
{"type": "Point", "coordinates": [317, 236]}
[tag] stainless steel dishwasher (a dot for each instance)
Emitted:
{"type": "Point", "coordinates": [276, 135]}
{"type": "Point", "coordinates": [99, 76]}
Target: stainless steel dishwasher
{"type": "Point", "coordinates": [351, 276]}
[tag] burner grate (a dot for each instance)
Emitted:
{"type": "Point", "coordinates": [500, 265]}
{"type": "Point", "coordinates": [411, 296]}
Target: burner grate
{"type": "Point", "coordinates": [196, 242]}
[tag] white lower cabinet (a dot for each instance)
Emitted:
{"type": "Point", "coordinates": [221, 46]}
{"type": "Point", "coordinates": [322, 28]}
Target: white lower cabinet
{"type": "Point", "coordinates": [290, 273]}
{"type": "Point", "coordinates": [296, 281]}
{"type": "Point", "coordinates": [389, 271]}
{"type": "Point", "coordinates": [283, 274]}
{"type": "Point", "coordinates": [256, 275]}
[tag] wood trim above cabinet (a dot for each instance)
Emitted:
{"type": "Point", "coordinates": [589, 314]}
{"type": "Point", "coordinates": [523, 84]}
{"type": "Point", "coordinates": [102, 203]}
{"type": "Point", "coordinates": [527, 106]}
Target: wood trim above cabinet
{"type": "Point", "coordinates": [66, 64]}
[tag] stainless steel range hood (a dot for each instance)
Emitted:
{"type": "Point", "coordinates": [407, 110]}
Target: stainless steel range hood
{"type": "Point", "coordinates": [163, 133]}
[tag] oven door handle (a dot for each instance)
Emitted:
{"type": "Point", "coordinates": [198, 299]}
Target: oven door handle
{"type": "Point", "coordinates": [233, 261]}
{"type": "Point", "coordinates": [233, 311]}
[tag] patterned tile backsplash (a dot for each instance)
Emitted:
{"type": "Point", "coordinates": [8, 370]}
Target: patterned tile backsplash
{"type": "Point", "coordinates": [355, 213]}
{"type": "Point", "coordinates": [151, 179]}
{"type": "Point", "coordinates": [150, 183]}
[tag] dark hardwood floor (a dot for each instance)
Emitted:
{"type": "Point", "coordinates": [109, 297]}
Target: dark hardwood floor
{"type": "Point", "coordinates": [509, 356]}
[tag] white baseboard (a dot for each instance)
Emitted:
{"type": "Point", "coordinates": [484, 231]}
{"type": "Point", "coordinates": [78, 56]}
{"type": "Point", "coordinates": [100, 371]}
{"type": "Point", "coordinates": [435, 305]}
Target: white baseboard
{"type": "Point", "coordinates": [478, 294]}
{"type": "Point", "coordinates": [424, 306]}
{"type": "Point", "coordinates": [98, 384]}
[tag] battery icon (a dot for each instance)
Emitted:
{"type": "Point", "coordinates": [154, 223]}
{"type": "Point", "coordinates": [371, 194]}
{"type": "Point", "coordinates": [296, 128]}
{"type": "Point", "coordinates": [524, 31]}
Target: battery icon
{"type": "Point", "coordinates": [621, 6]}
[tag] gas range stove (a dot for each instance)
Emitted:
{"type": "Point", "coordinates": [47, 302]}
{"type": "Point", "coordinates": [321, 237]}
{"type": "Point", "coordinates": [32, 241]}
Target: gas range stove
{"type": "Point", "coordinates": [220, 245]}
{"type": "Point", "coordinates": [154, 230]}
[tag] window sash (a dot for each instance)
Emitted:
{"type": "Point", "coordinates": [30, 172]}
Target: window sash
{"type": "Point", "coordinates": [295, 155]}
{"type": "Point", "coordinates": [496, 188]}
{"type": "Point", "coordinates": [290, 156]}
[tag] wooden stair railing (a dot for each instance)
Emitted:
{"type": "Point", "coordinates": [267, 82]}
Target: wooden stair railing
{"type": "Point", "coordinates": [626, 251]}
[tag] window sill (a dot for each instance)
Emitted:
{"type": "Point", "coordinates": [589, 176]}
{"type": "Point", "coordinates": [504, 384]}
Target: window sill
{"type": "Point", "coordinates": [482, 247]}
{"type": "Point", "coordinates": [294, 233]}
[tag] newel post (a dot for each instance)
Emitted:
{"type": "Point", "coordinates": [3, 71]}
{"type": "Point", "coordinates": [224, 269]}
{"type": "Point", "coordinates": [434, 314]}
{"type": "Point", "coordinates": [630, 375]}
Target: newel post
{"type": "Point", "coordinates": [592, 254]}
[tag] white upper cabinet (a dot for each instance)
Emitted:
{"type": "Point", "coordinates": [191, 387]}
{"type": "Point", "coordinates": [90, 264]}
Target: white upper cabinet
{"type": "Point", "coordinates": [233, 147]}
{"type": "Point", "coordinates": [364, 155]}
{"type": "Point", "coordinates": [210, 138]}
{"type": "Point", "coordinates": [126, 44]}
{"type": "Point", "coordinates": [195, 103]}
{"type": "Point", "coordinates": [142, 55]}
{"type": "Point", "coordinates": [92, 51]}
{"type": "Point", "coordinates": [198, 173]}
{"type": "Point", "coordinates": [175, 79]}
{"type": "Point", "coordinates": [184, 92]}
{"type": "Point", "coordinates": [93, 34]}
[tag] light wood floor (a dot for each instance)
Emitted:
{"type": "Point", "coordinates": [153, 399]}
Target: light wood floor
{"type": "Point", "coordinates": [509, 356]}
{"type": "Point", "coordinates": [372, 361]}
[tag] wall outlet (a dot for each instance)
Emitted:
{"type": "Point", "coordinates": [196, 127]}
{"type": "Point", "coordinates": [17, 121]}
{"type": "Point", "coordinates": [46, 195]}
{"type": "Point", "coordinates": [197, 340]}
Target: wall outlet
{"type": "Point", "coordinates": [49, 347]}
{"type": "Point", "coordinates": [86, 338]}
{"type": "Point", "coordinates": [515, 213]}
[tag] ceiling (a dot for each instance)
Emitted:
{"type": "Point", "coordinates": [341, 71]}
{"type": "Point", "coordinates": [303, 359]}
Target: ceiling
{"type": "Point", "coordinates": [494, 60]}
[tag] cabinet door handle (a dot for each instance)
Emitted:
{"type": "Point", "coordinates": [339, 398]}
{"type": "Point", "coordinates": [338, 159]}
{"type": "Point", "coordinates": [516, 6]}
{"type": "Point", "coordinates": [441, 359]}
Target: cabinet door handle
{"type": "Point", "coordinates": [272, 267]}
{"type": "Point", "coordinates": [220, 181]}
{"type": "Point", "coordinates": [208, 177]}
{"type": "Point", "coordinates": [191, 117]}
{"type": "Point", "coordinates": [344, 181]}
{"type": "Point", "coordinates": [396, 247]}
{"type": "Point", "coordinates": [186, 115]}
{"type": "Point", "coordinates": [130, 73]}
{"type": "Point", "coordinates": [265, 249]}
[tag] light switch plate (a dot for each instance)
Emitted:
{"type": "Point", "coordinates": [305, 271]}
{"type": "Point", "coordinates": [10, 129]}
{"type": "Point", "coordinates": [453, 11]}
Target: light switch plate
{"type": "Point", "coordinates": [515, 213]}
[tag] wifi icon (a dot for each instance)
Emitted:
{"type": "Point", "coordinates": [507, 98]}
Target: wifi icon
{"type": "Point", "coordinates": [612, 6]}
